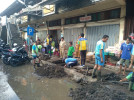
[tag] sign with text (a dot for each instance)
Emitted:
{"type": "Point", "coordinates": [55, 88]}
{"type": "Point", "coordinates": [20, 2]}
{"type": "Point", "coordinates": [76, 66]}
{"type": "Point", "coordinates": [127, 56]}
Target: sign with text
{"type": "Point", "coordinates": [84, 19]}
{"type": "Point", "coordinates": [30, 31]}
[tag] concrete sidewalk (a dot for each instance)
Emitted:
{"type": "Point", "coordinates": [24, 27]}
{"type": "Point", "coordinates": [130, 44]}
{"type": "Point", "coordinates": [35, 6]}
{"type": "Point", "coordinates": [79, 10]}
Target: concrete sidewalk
{"type": "Point", "coordinates": [6, 92]}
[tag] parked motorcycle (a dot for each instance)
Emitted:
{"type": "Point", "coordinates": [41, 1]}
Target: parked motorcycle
{"type": "Point", "coordinates": [6, 54]}
{"type": "Point", "coordinates": [3, 46]}
{"type": "Point", "coordinates": [19, 57]}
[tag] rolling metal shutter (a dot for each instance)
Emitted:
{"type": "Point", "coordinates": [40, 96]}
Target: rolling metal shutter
{"type": "Point", "coordinates": [72, 34]}
{"type": "Point", "coordinates": [95, 33]}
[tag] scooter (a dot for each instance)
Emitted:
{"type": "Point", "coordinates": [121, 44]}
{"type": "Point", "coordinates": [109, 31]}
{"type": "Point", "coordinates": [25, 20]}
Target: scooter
{"type": "Point", "coordinates": [6, 54]}
{"type": "Point", "coordinates": [19, 57]}
{"type": "Point", "coordinates": [4, 46]}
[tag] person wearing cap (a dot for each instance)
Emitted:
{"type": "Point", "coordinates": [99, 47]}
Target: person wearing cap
{"type": "Point", "coordinates": [125, 54]}
{"type": "Point", "coordinates": [130, 78]}
{"type": "Point", "coordinates": [99, 57]}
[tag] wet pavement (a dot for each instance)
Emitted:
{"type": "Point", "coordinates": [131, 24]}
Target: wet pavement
{"type": "Point", "coordinates": [6, 91]}
{"type": "Point", "coordinates": [29, 86]}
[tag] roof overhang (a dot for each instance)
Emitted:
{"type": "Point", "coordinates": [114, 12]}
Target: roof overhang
{"type": "Point", "coordinates": [97, 7]}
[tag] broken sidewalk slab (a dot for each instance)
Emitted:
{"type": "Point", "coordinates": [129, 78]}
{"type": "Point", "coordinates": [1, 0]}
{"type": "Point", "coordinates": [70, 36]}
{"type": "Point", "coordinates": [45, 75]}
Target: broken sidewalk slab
{"type": "Point", "coordinates": [6, 91]}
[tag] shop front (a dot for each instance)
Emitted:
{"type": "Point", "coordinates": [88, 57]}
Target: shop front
{"type": "Point", "coordinates": [95, 33]}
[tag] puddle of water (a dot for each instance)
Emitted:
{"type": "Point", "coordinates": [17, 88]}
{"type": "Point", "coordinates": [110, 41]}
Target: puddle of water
{"type": "Point", "coordinates": [30, 87]}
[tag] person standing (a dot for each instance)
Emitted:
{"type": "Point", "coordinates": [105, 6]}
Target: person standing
{"type": "Point", "coordinates": [45, 46]}
{"type": "Point", "coordinates": [125, 54]}
{"type": "Point", "coordinates": [49, 42]}
{"type": "Point", "coordinates": [38, 40]}
{"type": "Point", "coordinates": [70, 50]}
{"type": "Point", "coordinates": [28, 43]}
{"type": "Point", "coordinates": [31, 44]}
{"type": "Point", "coordinates": [62, 47]}
{"type": "Point", "coordinates": [77, 55]}
{"type": "Point", "coordinates": [99, 57]}
{"type": "Point", "coordinates": [82, 42]}
{"type": "Point", "coordinates": [35, 53]}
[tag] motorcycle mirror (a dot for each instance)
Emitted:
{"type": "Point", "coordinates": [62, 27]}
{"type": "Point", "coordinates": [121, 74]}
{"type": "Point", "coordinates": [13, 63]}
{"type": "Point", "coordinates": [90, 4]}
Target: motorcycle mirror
{"type": "Point", "coordinates": [15, 44]}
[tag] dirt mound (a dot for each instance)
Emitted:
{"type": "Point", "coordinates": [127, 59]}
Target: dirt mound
{"type": "Point", "coordinates": [98, 91]}
{"type": "Point", "coordinates": [111, 77]}
{"type": "Point", "coordinates": [50, 71]}
{"type": "Point", "coordinates": [44, 57]}
{"type": "Point", "coordinates": [59, 62]}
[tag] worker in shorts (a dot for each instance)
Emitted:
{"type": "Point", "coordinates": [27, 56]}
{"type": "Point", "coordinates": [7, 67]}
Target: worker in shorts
{"type": "Point", "coordinates": [125, 54]}
{"type": "Point", "coordinates": [35, 54]}
{"type": "Point", "coordinates": [99, 57]}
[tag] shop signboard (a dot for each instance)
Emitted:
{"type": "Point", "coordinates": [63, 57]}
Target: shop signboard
{"type": "Point", "coordinates": [86, 18]}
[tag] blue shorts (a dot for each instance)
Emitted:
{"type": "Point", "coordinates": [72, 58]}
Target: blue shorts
{"type": "Point", "coordinates": [34, 56]}
{"type": "Point", "coordinates": [98, 60]}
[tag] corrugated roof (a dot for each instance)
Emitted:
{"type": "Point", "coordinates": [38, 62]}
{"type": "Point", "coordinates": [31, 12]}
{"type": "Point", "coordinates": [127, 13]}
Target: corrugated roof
{"type": "Point", "coordinates": [16, 7]}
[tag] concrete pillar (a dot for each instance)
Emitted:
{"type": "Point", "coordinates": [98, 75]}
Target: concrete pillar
{"type": "Point", "coordinates": [62, 25]}
{"type": "Point", "coordinates": [122, 23]}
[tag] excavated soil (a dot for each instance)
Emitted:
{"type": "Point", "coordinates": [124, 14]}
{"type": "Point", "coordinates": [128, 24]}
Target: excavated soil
{"type": "Point", "coordinates": [111, 77]}
{"type": "Point", "coordinates": [50, 71]}
{"type": "Point", "coordinates": [98, 91]}
{"type": "Point", "coordinates": [103, 90]}
{"type": "Point", "coordinates": [44, 57]}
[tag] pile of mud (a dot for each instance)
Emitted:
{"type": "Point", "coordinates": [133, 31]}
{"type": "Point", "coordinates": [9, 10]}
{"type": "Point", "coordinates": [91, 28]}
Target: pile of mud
{"type": "Point", "coordinates": [58, 62]}
{"type": "Point", "coordinates": [50, 71]}
{"type": "Point", "coordinates": [98, 91]}
{"type": "Point", "coordinates": [44, 57]}
{"type": "Point", "coordinates": [111, 77]}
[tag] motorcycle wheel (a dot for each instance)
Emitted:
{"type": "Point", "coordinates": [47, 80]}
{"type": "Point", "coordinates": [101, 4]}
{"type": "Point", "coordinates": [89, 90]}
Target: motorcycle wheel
{"type": "Point", "coordinates": [13, 63]}
{"type": "Point", "coordinates": [5, 61]}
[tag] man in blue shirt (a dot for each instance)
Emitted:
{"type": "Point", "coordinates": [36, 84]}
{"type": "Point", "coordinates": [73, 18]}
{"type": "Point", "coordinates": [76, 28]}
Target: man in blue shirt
{"type": "Point", "coordinates": [125, 53]}
{"type": "Point", "coordinates": [70, 62]}
{"type": "Point", "coordinates": [99, 57]}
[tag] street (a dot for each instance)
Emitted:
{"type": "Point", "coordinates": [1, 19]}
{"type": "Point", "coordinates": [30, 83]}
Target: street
{"type": "Point", "coordinates": [29, 86]}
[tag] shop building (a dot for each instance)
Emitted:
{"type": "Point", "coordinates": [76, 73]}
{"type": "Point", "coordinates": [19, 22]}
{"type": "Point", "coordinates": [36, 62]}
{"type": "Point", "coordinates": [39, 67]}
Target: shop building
{"type": "Point", "coordinates": [70, 18]}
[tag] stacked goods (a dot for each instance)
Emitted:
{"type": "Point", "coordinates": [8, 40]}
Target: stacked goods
{"type": "Point", "coordinates": [89, 56]}
{"type": "Point", "coordinates": [114, 50]}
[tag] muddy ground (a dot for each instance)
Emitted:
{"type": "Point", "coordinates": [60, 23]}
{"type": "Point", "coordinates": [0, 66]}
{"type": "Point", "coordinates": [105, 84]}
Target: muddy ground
{"type": "Point", "coordinates": [109, 89]}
